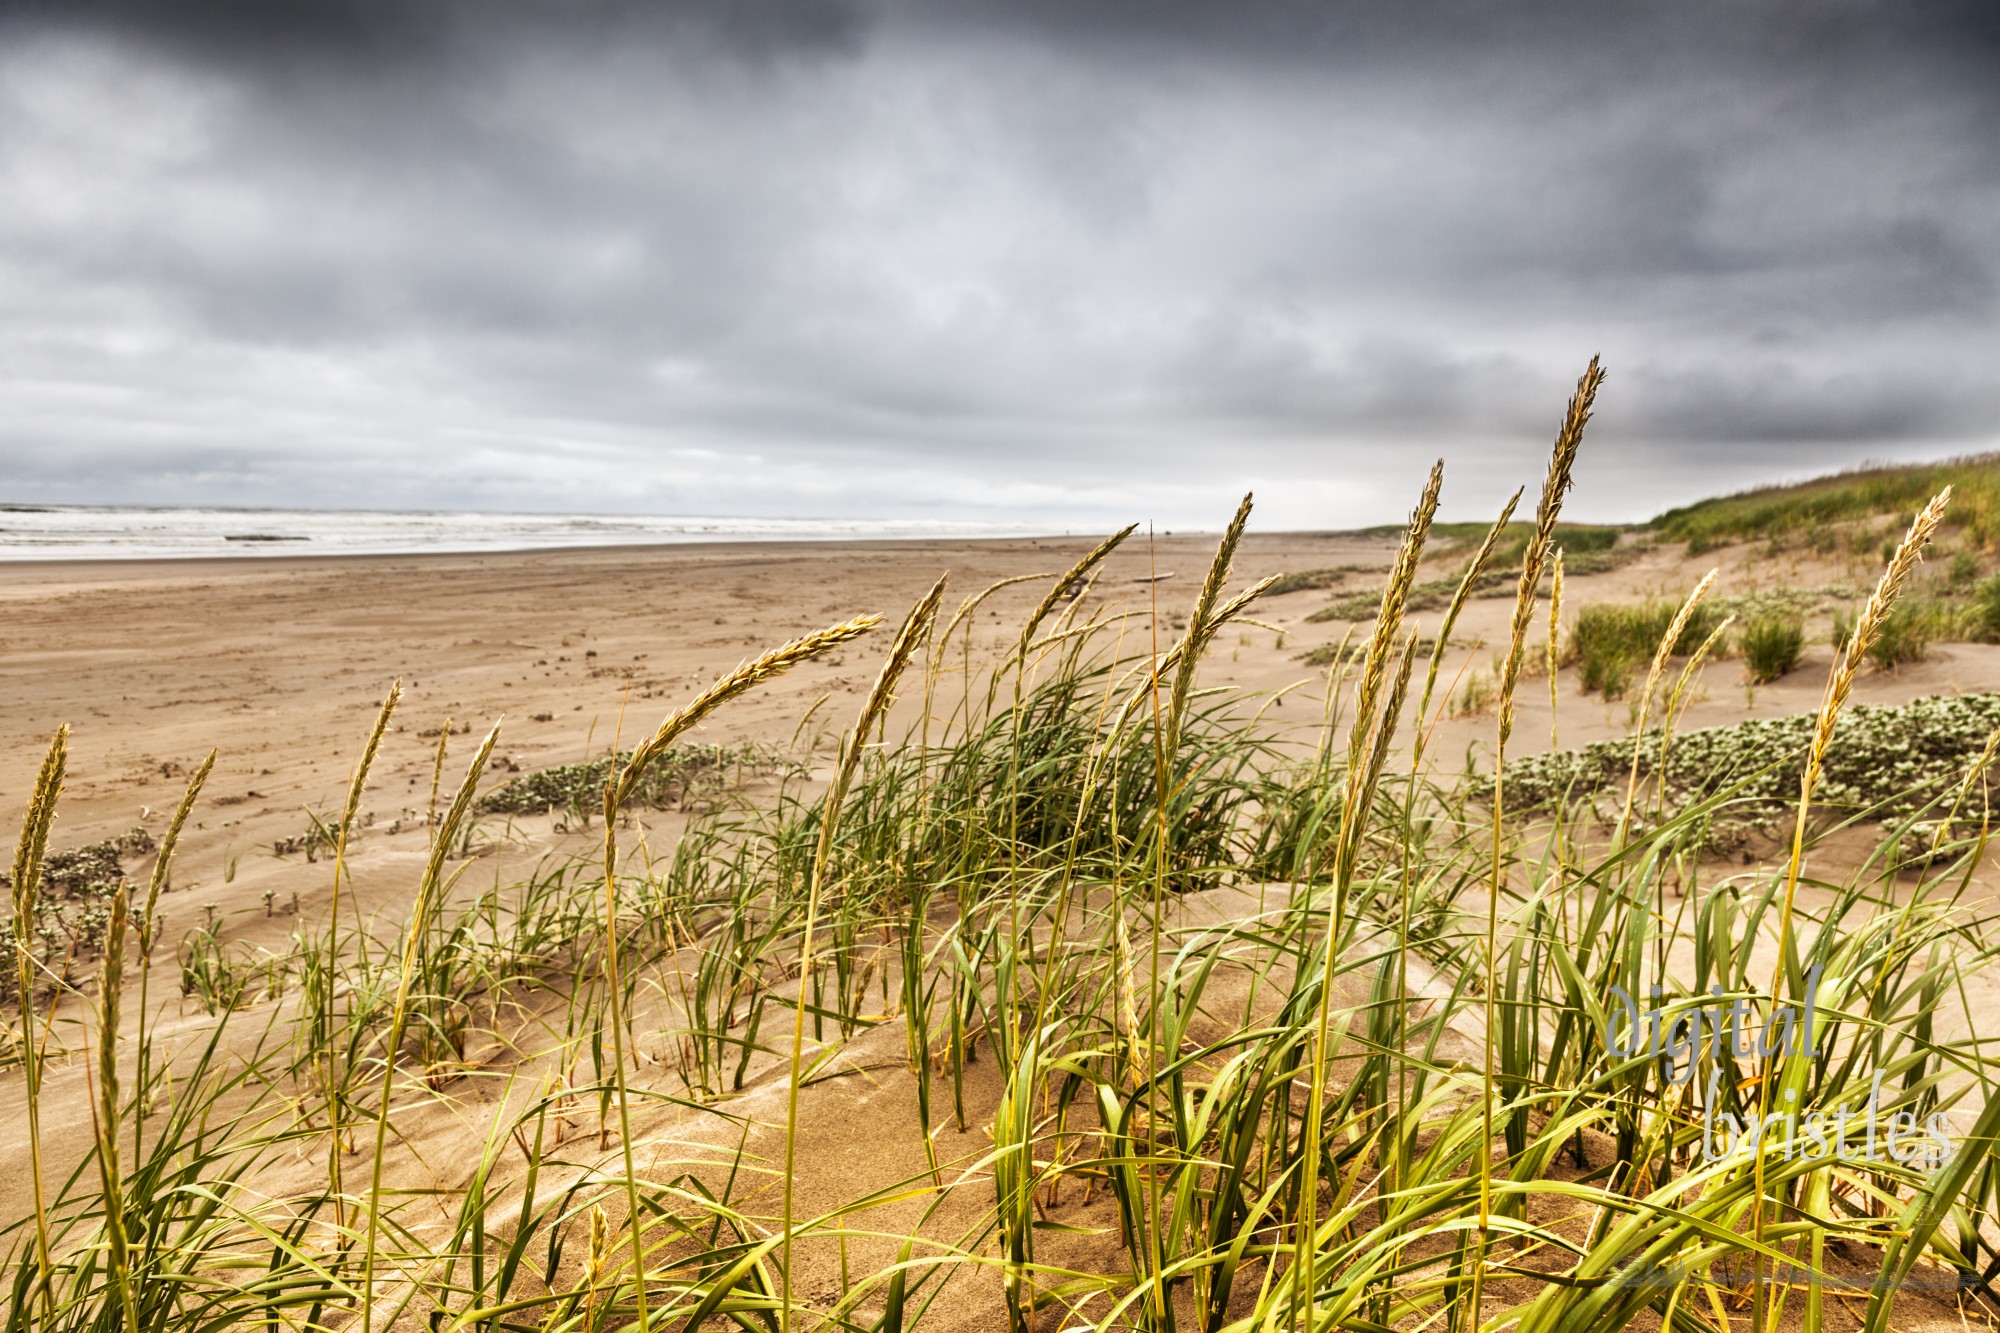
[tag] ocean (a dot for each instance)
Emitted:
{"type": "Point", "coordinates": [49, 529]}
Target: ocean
{"type": "Point", "coordinates": [133, 532]}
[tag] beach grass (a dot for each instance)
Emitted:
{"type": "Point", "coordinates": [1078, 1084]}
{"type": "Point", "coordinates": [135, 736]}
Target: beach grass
{"type": "Point", "coordinates": [1772, 645]}
{"type": "Point", "coordinates": [1163, 1016]}
{"type": "Point", "coordinates": [1803, 511]}
{"type": "Point", "coordinates": [1610, 640]}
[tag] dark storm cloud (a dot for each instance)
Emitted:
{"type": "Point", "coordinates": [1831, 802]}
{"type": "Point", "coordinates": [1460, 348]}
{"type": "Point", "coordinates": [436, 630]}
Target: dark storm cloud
{"type": "Point", "coordinates": [1066, 260]}
{"type": "Point", "coordinates": [366, 32]}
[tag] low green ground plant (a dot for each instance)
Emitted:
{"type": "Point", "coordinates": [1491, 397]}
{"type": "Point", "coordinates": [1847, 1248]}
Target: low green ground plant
{"type": "Point", "coordinates": [688, 774]}
{"type": "Point", "coordinates": [1885, 760]}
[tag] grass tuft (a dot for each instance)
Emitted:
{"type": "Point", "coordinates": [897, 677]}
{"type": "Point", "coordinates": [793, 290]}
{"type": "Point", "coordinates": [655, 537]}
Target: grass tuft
{"type": "Point", "coordinates": [1772, 646]}
{"type": "Point", "coordinates": [1610, 639]}
{"type": "Point", "coordinates": [1807, 509]}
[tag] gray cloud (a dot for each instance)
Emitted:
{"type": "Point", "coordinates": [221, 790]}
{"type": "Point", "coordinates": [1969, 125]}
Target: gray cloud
{"type": "Point", "coordinates": [1071, 262]}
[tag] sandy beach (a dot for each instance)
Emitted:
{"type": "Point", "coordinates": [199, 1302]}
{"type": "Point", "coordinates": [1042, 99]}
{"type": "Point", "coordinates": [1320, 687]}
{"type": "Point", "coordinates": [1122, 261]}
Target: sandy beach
{"type": "Point", "coordinates": [280, 665]}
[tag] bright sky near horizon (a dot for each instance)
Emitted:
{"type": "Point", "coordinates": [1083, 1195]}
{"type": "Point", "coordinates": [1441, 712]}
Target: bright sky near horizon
{"type": "Point", "coordinates": [1052, 261]}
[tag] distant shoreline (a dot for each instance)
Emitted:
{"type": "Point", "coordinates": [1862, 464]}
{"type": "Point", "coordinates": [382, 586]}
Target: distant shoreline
{"type": "Point", "coordinates": [288, 552]}
{"type": "Point", "coordinates": [287, 555]}
{"type": "Point", "coordinates": [40, 534]}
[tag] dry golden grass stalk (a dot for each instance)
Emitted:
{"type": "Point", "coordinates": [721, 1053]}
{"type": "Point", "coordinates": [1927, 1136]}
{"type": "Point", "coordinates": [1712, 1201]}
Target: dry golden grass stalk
{"type": "Point", "coordinates": [355, 786]}
{"type": "Point", "coordinates": [746, 677]}
{"type": "Point", "coordinates": [1676, 695]}
{"type": "Point", "coordinates": [1839, 684]}
{"type": "Point", "coordinates": [1665, 648]}
{"type": "Point", "coordinates": [1170, 661]}
{"type": "Point", "coordinates": [1463, 593]}
{"type": "Point", "coordinates": [1062, 583]}
{"type": "Point", "coordinates": [1346, 850]}
{"type": "Point", "coordinates": [1065, 632]}
{"type": "Point", "coordinates": [1554, 643]}
{"type": "Point", "coordinates": [1237, 605]}
{"type": "Point", "coordinates": [162, 864]}
{"type": "Point", "coordinates": [34, 842]}
{"type": "Point", "coordinates": [910, 637]}
{"type": "Point", "coordinates": [1883, 600]}
{"type": "Point", "coordinates": [1201, 621]}
{"type": "Point", "coordinates": [461, 805]}
{"type": "Point", "coordinates": [882, 695]}
{"type": "Point", "coordinates": [360, 779]}
{"type": "Point", "coordinates": [1555, 485]}
{"type": "Point", "coordinates": [916, 626]}
{"type": "Point", "coordinates": [429, 890]}
{"type": "Point", "coordinates": [28, 856]}
{"type": "Point", "coordinates": [437, 772]}
{"type": "Point", "coordinates": [972, 603]}
{"type": "Point", "coordinates": [1068, 618]}
{"type": "Point", "coordinates": [1392, 712]}
{"type": "Point", "coordinates": [149, 931]}
{"type": "Point", "coordinates": [1361, 780]}
{"type": "Point", "coordinates": [1661, 653]}
{"type": "Point", "coordinates": [104, 1115]}
{"type": "Point", "coordinates": [1389, 625]}
{"type": "Point", "coordinates": [1222, 615]}
{"type": "Point", "coordinates": [616, 791]}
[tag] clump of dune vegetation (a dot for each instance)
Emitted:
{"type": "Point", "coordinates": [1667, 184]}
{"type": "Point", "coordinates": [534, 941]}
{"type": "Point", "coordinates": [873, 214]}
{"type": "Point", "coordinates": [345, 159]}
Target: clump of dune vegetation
{"type": "Point", "coordinates": [96, 866]}
{"type": "Point", "coordinates": [1426, 596]}
{"type": "Point", "coordinates": [1886, 762]}
{"type": "Point", "coordinates": [71, 911]}
{"type": "Point", "coordinates": [1138, 1011]}
{"type": "Point", "coordinates": [1305, 580]}
{"type": "Point", "coordinates": [1908, 633]}
{"type": "Point", "coordinates": [688, 773]}
{"type": "Point", "coordinates": [1807, 510]}
{"type": "Point", "coordinates": [1772, 645]}
{"type": "Point", "coordinates": [1587, 549]}
{"type": "Point", "coordinates": [1610, 640]}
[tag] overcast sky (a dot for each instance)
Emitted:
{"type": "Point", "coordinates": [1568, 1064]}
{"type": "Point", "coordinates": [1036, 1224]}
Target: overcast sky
{"type": "Point", "coordinates": [1059, 262]}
